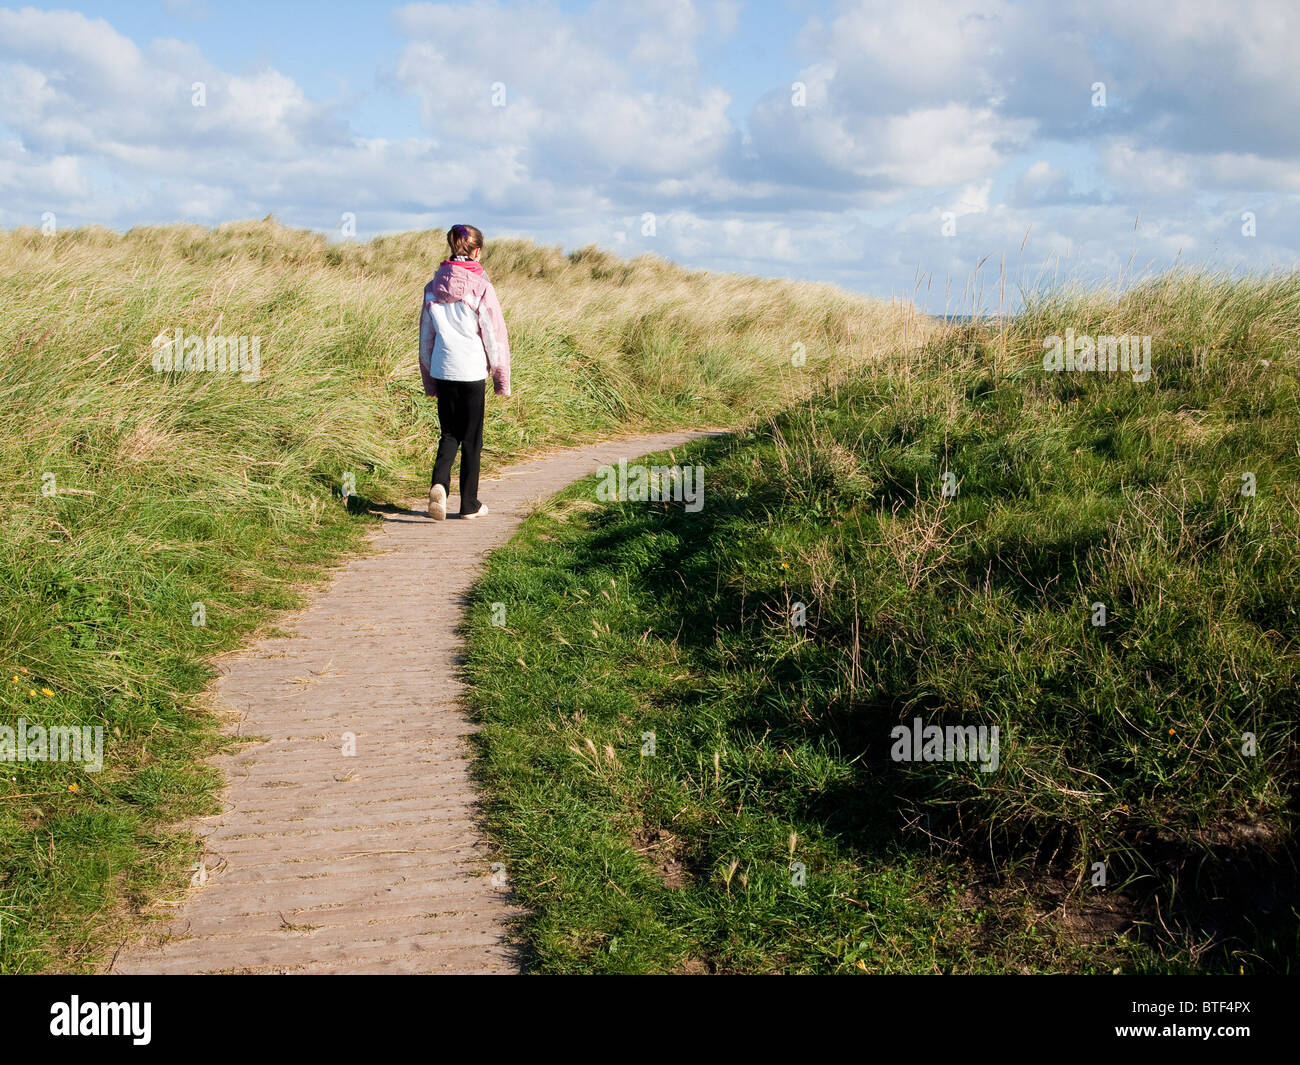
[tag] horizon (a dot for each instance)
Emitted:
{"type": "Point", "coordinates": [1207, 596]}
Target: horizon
{"type": "Point", "coordinates": [895, 152]}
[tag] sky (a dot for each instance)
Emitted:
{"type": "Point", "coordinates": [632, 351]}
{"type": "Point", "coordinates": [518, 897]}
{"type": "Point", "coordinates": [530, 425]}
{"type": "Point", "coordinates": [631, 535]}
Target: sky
{"type": "Point", "coordinates": [949, 152]}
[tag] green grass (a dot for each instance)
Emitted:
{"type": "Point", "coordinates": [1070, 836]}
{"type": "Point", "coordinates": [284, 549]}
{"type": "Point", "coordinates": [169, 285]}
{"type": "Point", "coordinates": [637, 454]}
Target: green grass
{"type": "Point", "coordinates": [1120, 743]}
{"type": "Point", "coordinates": [174, 489]}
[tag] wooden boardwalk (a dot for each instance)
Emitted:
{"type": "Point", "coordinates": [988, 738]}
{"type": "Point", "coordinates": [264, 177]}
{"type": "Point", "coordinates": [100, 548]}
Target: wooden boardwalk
{"type": "Point", "coordinates": [323, 862]}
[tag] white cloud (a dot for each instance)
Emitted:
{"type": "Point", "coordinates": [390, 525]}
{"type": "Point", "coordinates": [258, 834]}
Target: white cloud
{"type": "Point", "coordinates": [58, 176]}
{"type": "Point", "coordinates": [920, 148]}
{"type": "Point", "coordinates": [587, 99]}
{"type": "Point", "coordinates": [978, 108]}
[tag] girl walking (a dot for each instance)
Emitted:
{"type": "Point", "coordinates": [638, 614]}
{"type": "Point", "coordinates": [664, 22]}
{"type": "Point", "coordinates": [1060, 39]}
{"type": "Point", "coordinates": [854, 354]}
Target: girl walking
{"type": "Point", "coordinates": [462, 343]}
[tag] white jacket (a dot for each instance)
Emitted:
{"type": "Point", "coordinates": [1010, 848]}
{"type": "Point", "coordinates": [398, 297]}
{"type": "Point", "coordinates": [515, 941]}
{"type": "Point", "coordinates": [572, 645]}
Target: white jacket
{"type": "Point", "coordinates": [462, 331]}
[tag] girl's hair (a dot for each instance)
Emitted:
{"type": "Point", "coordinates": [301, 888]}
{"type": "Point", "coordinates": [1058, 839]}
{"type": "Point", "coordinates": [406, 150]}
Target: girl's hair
{"type": "Point", "coordinates": [462, 240]}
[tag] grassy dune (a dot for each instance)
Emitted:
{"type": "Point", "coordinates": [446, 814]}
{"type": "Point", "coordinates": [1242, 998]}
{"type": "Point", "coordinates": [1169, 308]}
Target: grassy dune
{"type": "Point", "coordinates": [1162, 743]}
{"type": "Point", "coordinates": [133, 496]}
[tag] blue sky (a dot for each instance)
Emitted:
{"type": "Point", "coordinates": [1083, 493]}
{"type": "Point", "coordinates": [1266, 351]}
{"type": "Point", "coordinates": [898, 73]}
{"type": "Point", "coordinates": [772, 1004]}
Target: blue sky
{"type": "Point", "coordinates": [863, 143]}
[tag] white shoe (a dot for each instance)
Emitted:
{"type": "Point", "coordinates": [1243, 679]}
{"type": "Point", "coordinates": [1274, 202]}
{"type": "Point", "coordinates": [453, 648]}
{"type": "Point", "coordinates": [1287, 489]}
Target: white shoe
{"type": "Point", "coordinates": [437, 502]}
{"type": "Point", "coordinates": [482, 509]}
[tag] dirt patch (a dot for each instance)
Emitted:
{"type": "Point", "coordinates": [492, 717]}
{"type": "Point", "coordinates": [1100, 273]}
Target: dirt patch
{"type": "Point", "coordinates": [1068, 913]}
{"type": "Point", "coordinates": [665, 854]}
{"type": "Point", "coordinates": [1089, 915]}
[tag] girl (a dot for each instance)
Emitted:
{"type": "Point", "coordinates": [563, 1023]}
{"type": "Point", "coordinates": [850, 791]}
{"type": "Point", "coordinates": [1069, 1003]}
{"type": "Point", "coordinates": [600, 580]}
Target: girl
{"type": "Point", "coordinates": [462, 342]}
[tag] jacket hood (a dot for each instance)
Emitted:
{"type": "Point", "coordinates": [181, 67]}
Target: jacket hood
{"type": "Point", "coordinates": [454, 280]}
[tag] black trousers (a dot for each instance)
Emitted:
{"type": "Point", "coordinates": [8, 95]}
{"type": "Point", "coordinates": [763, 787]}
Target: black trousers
{"type": "Point", "coordinates": [460, 414]}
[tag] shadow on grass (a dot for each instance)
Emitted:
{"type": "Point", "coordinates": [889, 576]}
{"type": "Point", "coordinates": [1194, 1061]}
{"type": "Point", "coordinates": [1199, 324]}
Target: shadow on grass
{"type": "Point", "coordinates": [1218, 897]}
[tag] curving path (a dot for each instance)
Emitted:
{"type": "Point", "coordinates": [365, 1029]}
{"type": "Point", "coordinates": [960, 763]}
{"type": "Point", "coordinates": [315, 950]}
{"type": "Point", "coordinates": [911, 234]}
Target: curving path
{"type": "Point", "coordinates": [326, 863]}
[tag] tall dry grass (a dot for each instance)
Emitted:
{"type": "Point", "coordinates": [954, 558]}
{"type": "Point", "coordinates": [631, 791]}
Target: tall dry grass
{"type": "Point", "coordinates": [131, 496]}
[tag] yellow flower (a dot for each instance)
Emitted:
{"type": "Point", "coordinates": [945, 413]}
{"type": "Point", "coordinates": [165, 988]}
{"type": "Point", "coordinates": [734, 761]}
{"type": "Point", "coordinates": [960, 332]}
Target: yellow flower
{"type": "Point", "coordinates": [785, 565]}
{"type": "Point", "coordinates": [1171, 732]}
{"type": "Point", "coordinates": [32, 692]}
{"type": "Point", "coordinates": [46, 691]}
{"type": "Point", "coordinates": [15, 678]}
{"type": "Point", "coordinates": [73, 787]}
